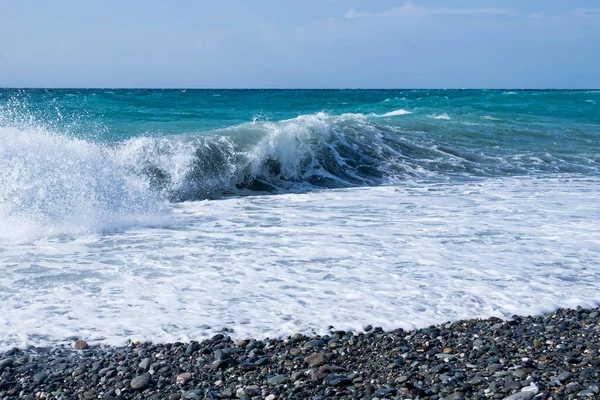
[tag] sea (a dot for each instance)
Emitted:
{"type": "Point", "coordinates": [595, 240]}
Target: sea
{"type": "Point", "coordinates": [172, 215]}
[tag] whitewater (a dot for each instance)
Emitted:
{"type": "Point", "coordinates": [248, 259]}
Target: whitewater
{"type": "Point", "coordinates": [170, 216]}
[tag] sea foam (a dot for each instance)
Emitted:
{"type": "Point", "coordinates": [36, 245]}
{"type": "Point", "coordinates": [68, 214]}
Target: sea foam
{"type": "Point", "coordinates": [397, 256]}
{"type": "Point", "coordinates": [394, 113]}
{"type": "Point", "coordinates": [443, 116]}
{"type": "Point", "coordinates": [55, 185]}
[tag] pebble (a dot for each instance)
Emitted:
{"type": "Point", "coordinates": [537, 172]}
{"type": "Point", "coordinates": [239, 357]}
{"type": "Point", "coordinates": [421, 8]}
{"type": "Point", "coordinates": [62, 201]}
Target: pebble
{"type": "Point", "coordinates": [295, 351]}
{"type": "Point", "coordinates": [80, 345]}
{"type": "Point", "coordinates": [564, 376]}
{"type": "Point", "coordinates": [512, 385]}
{"type": "Point", "coordinates": [6, 362]}
{"type": "Point", "coordinates": [140, 382]}
{"type": "Point", "coordinates": [297, 337]}
{"type": "Point", "coordinates": [337, 380]}
{"type": "Point", "coordinates": [262, 361]}
{"type": "Point", "coordinates": [316, 360]}
{"type": "Point", "coordinates": [495, 367]}
{"type": "Point", "coordinates": [314, 343]}
{"type": "Point", "coordinates": [522, 373]}
{"type": "Point", "coordinates": [145, 364]}
{"type": "Point", "coordinates": [278, 380]}
{"type": "Point", "coordinates": [191, 395]}
{"type": "Point", "coordinates": [183, 378]}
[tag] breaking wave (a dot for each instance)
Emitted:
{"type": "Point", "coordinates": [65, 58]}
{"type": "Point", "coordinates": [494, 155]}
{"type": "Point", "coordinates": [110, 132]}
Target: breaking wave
{"type": "Point", "coordinates": [56, 183]}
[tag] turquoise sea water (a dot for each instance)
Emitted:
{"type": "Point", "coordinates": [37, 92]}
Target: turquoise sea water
{"type": "Point", "coordinates": [193, 144]}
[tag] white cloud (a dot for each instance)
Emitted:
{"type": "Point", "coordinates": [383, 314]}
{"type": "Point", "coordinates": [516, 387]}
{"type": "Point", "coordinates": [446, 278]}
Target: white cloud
{"type": "Point", "coordinates": [409, 9]}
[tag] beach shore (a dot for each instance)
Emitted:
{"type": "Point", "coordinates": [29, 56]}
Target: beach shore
{"type": "Point", "coordinates": [553, 356]}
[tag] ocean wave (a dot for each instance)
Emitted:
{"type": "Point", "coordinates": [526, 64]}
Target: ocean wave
{"type": "Point", "coordinates": [490, 118]}
{"type": "Point", "coordinates": [59, 184]}
{"type": "Point", "coordinates": [393, 113]}
{"type": "Point", "coordinates": [54, 185]}
{"type": "Point", "coordinates": [443, 116]}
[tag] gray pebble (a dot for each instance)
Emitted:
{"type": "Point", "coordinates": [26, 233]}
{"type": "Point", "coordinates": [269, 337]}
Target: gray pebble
{"type": "Point", "coordinates": [314, 343]}
{"type": "Point", "coordinates": [140, 382]}
{"type": "Point", "coordinates": [145, 364]}
{"type": "Point", "coordinates": [278, 380]}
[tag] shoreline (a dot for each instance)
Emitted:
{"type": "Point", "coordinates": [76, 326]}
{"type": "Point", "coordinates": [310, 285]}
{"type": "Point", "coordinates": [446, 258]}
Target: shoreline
{"type": "Point", "coordinates": [555, 355]}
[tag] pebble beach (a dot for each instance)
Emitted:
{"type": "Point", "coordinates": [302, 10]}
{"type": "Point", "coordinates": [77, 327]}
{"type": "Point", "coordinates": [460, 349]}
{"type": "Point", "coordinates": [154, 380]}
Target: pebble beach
{"type": "Point", "coordinates": [553, 356]}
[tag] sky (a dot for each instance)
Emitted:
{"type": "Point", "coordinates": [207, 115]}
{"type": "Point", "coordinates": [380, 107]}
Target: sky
{"type": "Point", "coordinates": [300, 44]}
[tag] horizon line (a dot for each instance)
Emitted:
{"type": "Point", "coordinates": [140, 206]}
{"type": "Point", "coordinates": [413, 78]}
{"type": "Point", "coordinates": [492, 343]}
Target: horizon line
{"type": "Point", "coordinates": [279, 88]}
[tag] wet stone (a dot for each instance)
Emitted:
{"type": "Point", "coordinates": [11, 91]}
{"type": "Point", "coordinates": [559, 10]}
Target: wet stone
{"type": "Point", "coordinates": [7, 362]}
{"type": "Point", "coordinates": [80, 345]}
{"type": "Point", "coordinates": [190, 349]}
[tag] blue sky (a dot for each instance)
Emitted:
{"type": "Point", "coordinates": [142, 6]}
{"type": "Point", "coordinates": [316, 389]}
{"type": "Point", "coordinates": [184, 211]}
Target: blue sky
{"type": "Point", "coordinates": [309, 43]}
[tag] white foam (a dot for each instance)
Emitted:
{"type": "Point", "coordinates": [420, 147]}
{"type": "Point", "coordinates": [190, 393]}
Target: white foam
{"type": "Point", "coordinates": [443, 116]}
{"type": "Point", "coordinates": [405, 256]}
{"type": "Point", "coordinates": [490, 118]}
{"type": "Point", "coordinates": [53, 185]}
{"type": "Point", "coordinates": [394, 113]}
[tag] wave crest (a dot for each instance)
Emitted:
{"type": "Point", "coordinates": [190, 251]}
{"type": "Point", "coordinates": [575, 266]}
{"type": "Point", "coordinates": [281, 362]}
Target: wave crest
{"type": "Point", "coordinates": [394, 113]}
{"type": "Point", "coordinates": [443, 116]}
{"type": "Point", "coordinates": [54, 185]}
{"type": "Point", "coordinates": [53, 182]}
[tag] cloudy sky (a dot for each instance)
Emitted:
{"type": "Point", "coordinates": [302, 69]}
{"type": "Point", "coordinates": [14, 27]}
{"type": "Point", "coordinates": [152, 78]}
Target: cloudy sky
{"type": "Point", "coordinates": [299, 44]}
